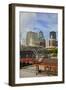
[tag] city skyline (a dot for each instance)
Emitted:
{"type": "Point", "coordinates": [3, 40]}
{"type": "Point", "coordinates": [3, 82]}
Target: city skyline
{"type": "Point", "coordinates": [36, 22]}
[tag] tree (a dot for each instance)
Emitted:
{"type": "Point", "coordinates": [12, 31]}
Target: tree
{"type": "Point", "coordinates": [53, 51]}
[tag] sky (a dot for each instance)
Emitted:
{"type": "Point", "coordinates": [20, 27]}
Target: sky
{"type": "Point", "coordinates": [36, 22]}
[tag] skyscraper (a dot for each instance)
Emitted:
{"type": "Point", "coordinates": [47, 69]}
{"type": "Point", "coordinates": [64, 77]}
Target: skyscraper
{"type": "Point", "coordinates": [32, 39]}
{"type": "Point", "coordinates": [52, 41]}
{"type": "Point", "coordinates": [42, 39]}
{"type": "Point", "coordinates": [41, 36]}
{"type": "Point", "coordinates": [52, 35]}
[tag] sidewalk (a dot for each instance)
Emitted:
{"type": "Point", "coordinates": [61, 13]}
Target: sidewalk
{"type": "Point", "coordinates": [30, 71]}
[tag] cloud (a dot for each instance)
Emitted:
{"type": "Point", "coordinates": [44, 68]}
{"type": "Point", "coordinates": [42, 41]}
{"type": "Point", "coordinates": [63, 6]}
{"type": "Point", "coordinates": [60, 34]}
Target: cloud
{"type": "Point", "coordinates": [26, 23]}
{"type": "Point", "coordinates": [36, 22]}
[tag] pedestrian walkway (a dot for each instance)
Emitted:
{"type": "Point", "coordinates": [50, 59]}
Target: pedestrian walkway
{"type": "Point", "coordinates": [30, 71]}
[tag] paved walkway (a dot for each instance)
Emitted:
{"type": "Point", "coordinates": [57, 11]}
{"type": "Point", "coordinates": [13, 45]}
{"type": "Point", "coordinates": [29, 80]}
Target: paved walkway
{"type": "Point", "coordinates": [30, 71]}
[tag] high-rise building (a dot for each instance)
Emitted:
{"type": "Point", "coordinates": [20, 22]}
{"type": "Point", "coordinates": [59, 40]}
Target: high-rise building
{"type": "Point", "coordinates": [41, 36]}
{"type": "Point", "coordinates": [32, 39]}
{"type": "Point", "coordinates": [42, 39]}
{"type": "Point", "coordinates": [35, 39]}
{"type": "Point", "coordinates": [53, 35]}
{"type": "Point", "coordinates": [52, 40]}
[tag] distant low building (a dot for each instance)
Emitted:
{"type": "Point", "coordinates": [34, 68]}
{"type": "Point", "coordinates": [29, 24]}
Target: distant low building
{"type": "Point", "coordinates": [52, 43]}
{"type": "Point", "coordinates": [43, 43]}
{"type": "Point", "coordinates": [47, 43]}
